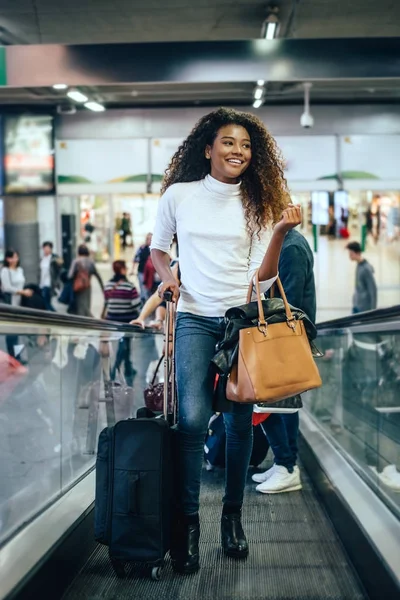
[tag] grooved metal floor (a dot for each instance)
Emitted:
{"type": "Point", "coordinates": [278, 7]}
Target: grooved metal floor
{"type": "Point", "coordinates": [294, 554]}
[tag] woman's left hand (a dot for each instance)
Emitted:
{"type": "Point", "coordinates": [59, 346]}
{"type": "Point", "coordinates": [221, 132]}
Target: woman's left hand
{"type": "Point", "coordinates": [291, 217]}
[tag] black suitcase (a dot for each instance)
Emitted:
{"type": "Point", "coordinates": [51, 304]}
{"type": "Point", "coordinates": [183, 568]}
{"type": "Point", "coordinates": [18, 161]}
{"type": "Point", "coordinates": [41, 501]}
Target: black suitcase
{"type": "Point", "coordinates": [134, 484]}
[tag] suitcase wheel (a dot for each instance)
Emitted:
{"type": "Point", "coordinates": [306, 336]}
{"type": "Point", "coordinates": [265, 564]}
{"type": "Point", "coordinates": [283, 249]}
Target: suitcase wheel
{"type": "Point", "coordinates": [156, 573]}
{"type": "Point", "coordinates": [119, 568]}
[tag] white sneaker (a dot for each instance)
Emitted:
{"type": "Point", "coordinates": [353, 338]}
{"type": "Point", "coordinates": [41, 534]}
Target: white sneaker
{"type": "Point", "coordinates": [281, 481]}
{"type": "Point", "coordinates": [261, 477]}
{"type": "Point", "coordinates": [390, 477]}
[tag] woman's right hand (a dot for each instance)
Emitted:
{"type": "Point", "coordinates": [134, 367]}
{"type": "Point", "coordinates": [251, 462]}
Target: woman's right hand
{"type": "Point", "coordinates": [169, 286]}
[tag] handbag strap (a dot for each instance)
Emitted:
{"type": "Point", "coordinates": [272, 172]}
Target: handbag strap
{"type": "Point", "coordinates": [261, 316]}
{"type": "Point", "coordinates": [157, 368]}
{"type": "Point", "coordinates": [272, 291]}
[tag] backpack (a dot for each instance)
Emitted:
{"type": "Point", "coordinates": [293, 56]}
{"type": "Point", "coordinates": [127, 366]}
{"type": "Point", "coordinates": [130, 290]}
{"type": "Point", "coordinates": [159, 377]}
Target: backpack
{"type": "Point", "coordinates": [215, 444]}
{"type": "Point", "coordinates": [81, 280]}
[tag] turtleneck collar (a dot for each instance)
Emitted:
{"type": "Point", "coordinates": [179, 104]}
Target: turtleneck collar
{"type": "Point", "coordinates": [223, 189]}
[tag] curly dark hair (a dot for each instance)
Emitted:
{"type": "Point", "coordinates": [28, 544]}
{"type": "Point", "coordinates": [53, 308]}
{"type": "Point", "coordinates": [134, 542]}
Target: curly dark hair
{"type": "Point", "coordinates": [264, 189]}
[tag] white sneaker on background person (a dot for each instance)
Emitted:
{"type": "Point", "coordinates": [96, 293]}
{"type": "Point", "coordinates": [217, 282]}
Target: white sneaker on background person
{"type": "Point", "coordinates": [261, 477]}
{"type": "Point", "coordinates": [281, 481]}
{"type": "Point", "coordinates": [390, 477]}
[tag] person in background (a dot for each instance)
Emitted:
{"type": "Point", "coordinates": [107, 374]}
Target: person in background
{"type": "Point", "coordinates": [13, 280]}
{"type": "Point", "coordinates": [122, 298]}
{"type": "Point", "coordinates": [12, 291]}
{"type": "Point", "coordinates": [369, 221]}
{"type": "Point", "coordinates": [366, 294]}
{"type": "Point", "coordinates": [140, 260]}
{"type": "Point", "coordinates": [156, 305]}
{"type": "Point", "coordinates": [151, 279]}
{"type": "Point", "coordinates": [122, 304]}
{"type": "Point", "coordinates": [296, 273]}
{"type": "Point", "coordinates": [83, 267]}
{"type": "Point", "coordinates": [50, 271]}
{"type": "Point", "coordinates": [125, 229]}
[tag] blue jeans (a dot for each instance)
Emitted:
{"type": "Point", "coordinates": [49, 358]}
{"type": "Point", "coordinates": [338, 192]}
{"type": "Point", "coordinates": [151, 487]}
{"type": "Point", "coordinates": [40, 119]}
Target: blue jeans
{"type": "Point", "coordinates": [196, 338]}
{"type": "Point", "coordinates": [282, 431]}
{"type": "Point", "coordinates": [124, 358]}
{"type": "Point", "coordinates": [46, 293]}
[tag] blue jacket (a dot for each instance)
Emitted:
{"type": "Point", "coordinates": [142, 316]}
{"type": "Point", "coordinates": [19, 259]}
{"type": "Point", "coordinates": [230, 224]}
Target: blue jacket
{"type": "Point", "coordinates": [296, 273]}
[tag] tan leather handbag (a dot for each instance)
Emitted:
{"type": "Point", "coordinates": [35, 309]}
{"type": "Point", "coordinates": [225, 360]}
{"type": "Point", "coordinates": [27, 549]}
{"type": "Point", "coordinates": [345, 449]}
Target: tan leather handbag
{"type": "Point", "coordinates": [274, 360]}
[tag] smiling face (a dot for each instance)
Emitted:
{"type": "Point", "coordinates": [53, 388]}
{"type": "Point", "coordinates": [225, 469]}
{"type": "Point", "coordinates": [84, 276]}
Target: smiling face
{"type": "Point", "coordinates": [230, 153]}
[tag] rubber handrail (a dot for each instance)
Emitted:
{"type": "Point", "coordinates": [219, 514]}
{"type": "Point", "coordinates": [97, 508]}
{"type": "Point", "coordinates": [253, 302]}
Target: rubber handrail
{"type": "Point", "coordinates": [16, 314]}
{"type": "Point", "coordinates": [371, 316]}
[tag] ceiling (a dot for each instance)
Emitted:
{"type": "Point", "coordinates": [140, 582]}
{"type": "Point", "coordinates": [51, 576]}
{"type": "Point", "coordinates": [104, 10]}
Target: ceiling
{"type": "Point", "coordinates": [107, 21]}
{"type": "Point", "coordinates": [212, 94]}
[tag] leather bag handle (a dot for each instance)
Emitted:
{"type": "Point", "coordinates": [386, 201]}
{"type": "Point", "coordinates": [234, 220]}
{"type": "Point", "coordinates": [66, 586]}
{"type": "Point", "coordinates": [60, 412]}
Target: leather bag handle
{"type": "Point", "coordinates": [157, 369]}
{"type": "Point", "coordinates": [272, 291]}
{"type": "Point", "coordinates": [261, 316]}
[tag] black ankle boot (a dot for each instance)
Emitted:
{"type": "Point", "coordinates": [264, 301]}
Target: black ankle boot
{"type": "Point", "coordinates": [233, 539]}
{"type": "Point", "coordinates": [185, 548]}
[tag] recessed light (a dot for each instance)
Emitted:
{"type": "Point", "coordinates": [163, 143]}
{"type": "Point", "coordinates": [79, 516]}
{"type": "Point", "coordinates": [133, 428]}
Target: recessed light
{"type": "Point", "coordinates": [77, 96]}
{"type": "Point", "coordinates": [95, 106]}
{"type": "Point", "coordinates": [60, 86]}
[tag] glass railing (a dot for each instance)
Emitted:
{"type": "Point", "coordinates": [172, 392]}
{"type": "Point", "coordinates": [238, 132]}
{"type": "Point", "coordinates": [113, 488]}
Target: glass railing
{"type": "Point", "coordinates": [61, 381]}
{"type": "Point", "coordinates": [359, 403]}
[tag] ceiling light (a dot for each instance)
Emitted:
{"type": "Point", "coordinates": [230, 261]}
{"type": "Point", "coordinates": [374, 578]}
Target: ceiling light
{"type": "Point", "coordinates": [257, 103]}
{"type": "Point", "coordinates": [95, 106]}
{"type": "Point", "coordinates": [260, 82]}
{"type": "Point", "coordinates": [60, 86]}
{"type": "Point", "coordinates": [77, 96]}
{"type": "Point", "coordinates": [258, 93]}
{"type": "Point", "coordinates": [269, 29]}
{"type": "Point", "coordinates": [306, 119]}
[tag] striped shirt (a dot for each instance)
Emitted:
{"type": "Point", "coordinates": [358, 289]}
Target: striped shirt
{"type": "Point", "coordinates": [123, 301]}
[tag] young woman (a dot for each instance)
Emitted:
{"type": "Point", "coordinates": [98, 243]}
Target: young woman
{"type": "Point", "coordinates": [12, 290]}
{"type": "Point", "coordinates": [223, 192]}
{"type": "Point", "coordinates": [13, 279]}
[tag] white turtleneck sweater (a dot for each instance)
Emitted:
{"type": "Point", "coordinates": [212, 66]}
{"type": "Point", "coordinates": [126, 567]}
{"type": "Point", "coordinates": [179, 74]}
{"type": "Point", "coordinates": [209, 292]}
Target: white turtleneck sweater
{"type": "Point", "coordinates": [217, 257]}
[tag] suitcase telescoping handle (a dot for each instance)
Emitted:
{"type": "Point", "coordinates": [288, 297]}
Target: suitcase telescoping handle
{"type": "Point", "coordinates": [169, 357]}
